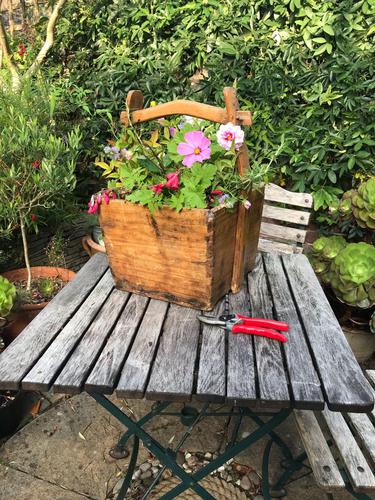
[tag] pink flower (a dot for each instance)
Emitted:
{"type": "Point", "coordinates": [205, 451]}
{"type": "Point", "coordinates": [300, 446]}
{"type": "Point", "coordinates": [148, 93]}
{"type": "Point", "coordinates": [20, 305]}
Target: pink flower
{"type": "Point", "coordinates": [36, 164]}
{"type": "Point", "coordinates": [157, 188]}
{"type": "Point", "coordinates": [172, 131]}
{"type": "Point", "coordinates": [113, 195]}
{"type": "Point", "coordinates": [217, 192]}
{"type": "Point", "coordinates": [99, 199]}
{"type": "Point", "coordinates": [173, 181]}
{"type": "Point", "coordinates": [247, 204]}
{"type": "Point", "coordinates": [195, 149]}
{"type": "Point", "coordinates": [229, 133]}
{"type": "Point", "coordinates": [106, 197]}
{"type": "Point", "coordinates": [93, 206]}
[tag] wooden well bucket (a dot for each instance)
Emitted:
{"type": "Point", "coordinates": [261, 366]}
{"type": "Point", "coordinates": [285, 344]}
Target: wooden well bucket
{"type": "Point", "coordinates": [192, 257]}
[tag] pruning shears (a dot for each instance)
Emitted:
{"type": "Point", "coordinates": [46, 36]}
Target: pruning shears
{"type": "Point", "coordinates": [236, 323]}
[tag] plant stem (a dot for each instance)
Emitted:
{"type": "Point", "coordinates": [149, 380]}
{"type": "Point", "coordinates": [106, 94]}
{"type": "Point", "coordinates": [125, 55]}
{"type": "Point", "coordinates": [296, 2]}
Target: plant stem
{"type": "Point", "coordinates": [26, 253]}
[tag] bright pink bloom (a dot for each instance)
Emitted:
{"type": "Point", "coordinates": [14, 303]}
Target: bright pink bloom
{"type": "Point", "coordinates": [247, 204]}
{"type": "Point", "coordinates": [157, 188]}
{"type": "Point", "coordinates": [173, 181]}
{"type": "Point", "coordinates": [172, 131]}
{"type": "Point", "coordinates": [99, 199]}
{"type": "Point", "coordinates": [22, 49]}
{"type": "Point", "coordinates": [113, 194]}
{"type": "Point", "coordinates": [93, 205]}
{"type": "Point", "coordinates": [217, 192]}
{"type": "Point", "coordinates": [106, 197]}
{"type": "Point", "coordinates": [195, 149]}
{"type": "Point", "coordinates": [229, 134]}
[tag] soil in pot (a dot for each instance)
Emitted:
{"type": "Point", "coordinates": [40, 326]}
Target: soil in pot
{"type": "Point", "coordinates": [47, 282]}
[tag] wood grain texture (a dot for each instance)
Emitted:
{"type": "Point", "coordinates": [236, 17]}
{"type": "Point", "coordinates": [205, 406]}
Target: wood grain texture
{"type": "Point", "coordinates": [184, 107]}
{"type": "Point", "coordinates": [134, 375]}
{"type": "Point", "coordinates": [253, 219]}
{"type": "Point", "coordinates": [49, 365]}
{"type": "Point", "coordinates": [212, 371]}
{"type": "Point", "coordinates": [359, 471]}
{"type": "Point", "coordinates": [23, 353]}
{"type": "Point", "coordinates": [280, 195]}
{"type": "Point", "coordinates": [323, 464]}
{"type": "Point", "coordinates": [272, 379]}
{"type": "Point", "coordinates": [303, 378]}
{"type": "Point", "coordinates": [286, 214]}
{"type": "Point", "coordinates": [172, 375]}
{"type": "Point", "coordinates": [365, 430]}
{"type": "Point", "coordinates": [344, 385]}
{"type": "Point", "coordinates": [241, 374]}
{"type": "Point", "coordinates": [175, 256]}
{"type": "Point", "coordinates": [276, 246]}
{"type": "Point", "coordinates": [106, 371]}
{"type": "Point", "coordinates": [282, 232]}
{"type": "Point", "coordinates": [72, 377]}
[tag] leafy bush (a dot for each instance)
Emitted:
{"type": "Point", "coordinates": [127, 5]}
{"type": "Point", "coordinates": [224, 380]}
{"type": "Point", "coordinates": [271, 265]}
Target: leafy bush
{"type": "Point", "coordinates": [306, 70]}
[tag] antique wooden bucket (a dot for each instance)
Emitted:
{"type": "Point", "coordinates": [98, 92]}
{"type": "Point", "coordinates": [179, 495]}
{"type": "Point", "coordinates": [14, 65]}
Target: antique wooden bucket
{"type": "Point", "coordinates": [192, 257]}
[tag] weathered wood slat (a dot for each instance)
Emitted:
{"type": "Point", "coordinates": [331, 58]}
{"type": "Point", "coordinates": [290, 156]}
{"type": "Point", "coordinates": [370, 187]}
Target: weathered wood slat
{"type": "Point", "coordinates": [212, 371]}
{"type": "Point", "coordinates": [22, 354]}
{"type": "Point", "coordinates": [343, 382]}
{"type": "Point", "coordinates": [49, 365]}
{"type": "Point", "coordinates": [280, 195]}
{"type": "Point", "coordinates": [104, 375]}
{"type": "Point", "coordinates": [356, 465]}
{"type": "Point", "coordinates": [283, 232]}
{"type": "Point", "coordinates": [135, 372]}
{"type": "Point", "coordinates": [302, 375]}
{"type": "Point", "coordinates": [371, 376]}
{"type": "Point", "coordinates": [241, 376]}
{"type": "Point", "coordinates": [172, 375]}
{"type": "Point", "coordinates": [272, 379]}
{"type": "Point", "coordinates": [276, 246]}
{"type": "Point", "coordinates": [286, 214]}
{"type": "Point", "coordinates": [323, 464]}
{"type": "Point", "coordinates": [365, 430]}
{"type": "Point", "coordinates": [75, 371]}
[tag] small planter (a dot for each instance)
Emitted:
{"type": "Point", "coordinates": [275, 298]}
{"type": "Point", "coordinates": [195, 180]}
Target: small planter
{"type": "Point", "coordinates": [91, 247]}
{"type": "Point", "coordinates": [361, 341]}
{"type": "Point", "coordinates": [19, 319]}
{"type": "Point", "coordinates": [183, 257]}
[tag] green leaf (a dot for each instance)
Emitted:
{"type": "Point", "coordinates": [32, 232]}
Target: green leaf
{"type": "Point", "coordinates": [328, 29]}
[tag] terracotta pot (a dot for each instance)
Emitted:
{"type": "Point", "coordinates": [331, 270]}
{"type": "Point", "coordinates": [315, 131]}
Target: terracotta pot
{"type": "Point", "coordinates": [361, 341]}
{"type": "Point", "coordinates": [91, 247]}
{"type": "Point", "coordinates": [19, 319]}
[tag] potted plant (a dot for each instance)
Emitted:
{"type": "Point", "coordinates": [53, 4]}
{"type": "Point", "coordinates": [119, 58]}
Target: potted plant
{"type": "Point", "coordinates": [181, 213]}
{"type": "Point", "coordinates": [36, 175]}
{"type": "Point", "coordinates": [93, 241]}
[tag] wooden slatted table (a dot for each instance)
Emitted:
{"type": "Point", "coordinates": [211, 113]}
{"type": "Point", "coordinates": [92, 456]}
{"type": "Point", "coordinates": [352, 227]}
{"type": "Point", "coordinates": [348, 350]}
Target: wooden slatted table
{"type": "Point", "coordinates": [94, 338]}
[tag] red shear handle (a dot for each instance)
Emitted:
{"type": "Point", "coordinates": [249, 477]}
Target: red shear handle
{"type": "Point", "coordinates": [262, 332]}
{"type": "Point", "coordinates": [264, 323]}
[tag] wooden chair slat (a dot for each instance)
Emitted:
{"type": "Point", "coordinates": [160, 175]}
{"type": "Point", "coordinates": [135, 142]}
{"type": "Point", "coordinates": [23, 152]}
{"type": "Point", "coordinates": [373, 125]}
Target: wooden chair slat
{"type": "Point", "coordinates": [303, 378]}
{"type": "Point", "coordinates": [241, 377]}
{"type": "Point", "coordinates": [212, 370]}
{"type": "Point", "coordinates": [49, 365]}
{"type": "Point", "coordinates": [172, 373]}
{"type": "Point", "coordinates": [348, 389]}
{"type": "Point", "coordinates": [272, 378]}
{"type": "Point", "coordinates": [286, 214]}
{"type": "Point", "coordinates": [280, 195]}
{"type": "Point", "coordinates": [37, 336]}
{"type": "Point", "coordinates": [365, 430]}
{"type": "Point", "coordinates": [72, 377]}
{"type": "Point", "coordinates": [371, 376]}
{"type": "Point", "coordinates": [276, 246]}
{"type": "Point", "coordinates": [356, 465]}
{"type": "Point", "coordinates": [282, 232]}
{"type": "Point", "coordinates": [107, 368]}
{"type": "Point", "coordinates": [137, 366]}
{"type": "Point", "coordinates": [323, 464]}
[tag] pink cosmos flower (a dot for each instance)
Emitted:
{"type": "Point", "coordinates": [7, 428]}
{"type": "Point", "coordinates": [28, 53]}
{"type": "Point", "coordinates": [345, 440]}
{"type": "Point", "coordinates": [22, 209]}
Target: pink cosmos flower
{"type": "Point", "coordinates": [229, 134]}
{"type": "Point", "coordinates": [157, 188]}
{"type": "Point", "coordinates": [247, 204]}
{"type": "Point", "coordinates": [195, 149]}
{"type": "Point", "coordinates": [173, 181]}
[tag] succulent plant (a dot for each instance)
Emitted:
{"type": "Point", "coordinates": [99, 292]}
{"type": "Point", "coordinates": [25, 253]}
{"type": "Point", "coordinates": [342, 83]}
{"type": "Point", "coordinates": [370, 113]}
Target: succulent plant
{"type": "Point", "coordinates": [363, 204]}
{"type": "Point", "coordinates": [323, 251]}
{"type": "Point", "coordinates": [7, 296]}
{"type": "Point", "coordinates": [352, 275]}
{"type": "Point", "coordinates": [47, 287]}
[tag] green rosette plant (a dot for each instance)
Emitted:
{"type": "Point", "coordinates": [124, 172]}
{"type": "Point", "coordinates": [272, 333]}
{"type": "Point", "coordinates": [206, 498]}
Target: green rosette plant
{"type": "Point", "coordinates": [363, 204]}
{"type": "Point", "coordinates": [7, 296]}
{"type": "Point", "coordinates": [352, 275]}
{"type": "Point", "coordinates": [324, 250]}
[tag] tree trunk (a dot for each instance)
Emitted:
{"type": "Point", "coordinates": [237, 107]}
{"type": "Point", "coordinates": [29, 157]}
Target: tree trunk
{"type": "Point", "coordinates": [26, 253]}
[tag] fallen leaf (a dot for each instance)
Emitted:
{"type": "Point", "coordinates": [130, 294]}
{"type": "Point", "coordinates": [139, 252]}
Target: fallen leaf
{"type": "Point", "coordinates": [81, 436]}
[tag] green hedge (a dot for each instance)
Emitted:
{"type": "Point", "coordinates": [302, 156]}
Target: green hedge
{"type": "Point", "coordinates": [305, 69]}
